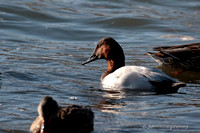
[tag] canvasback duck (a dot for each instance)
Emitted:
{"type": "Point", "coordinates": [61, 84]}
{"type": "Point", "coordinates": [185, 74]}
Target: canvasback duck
{"type": "Point", "coordinates": [185, 57]}
{"type": "Point", "coordinates": [119, 76]}
{"type": "Point", "coordinates": [55, 119]}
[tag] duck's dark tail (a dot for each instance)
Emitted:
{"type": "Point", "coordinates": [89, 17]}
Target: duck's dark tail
{"type": "Point", "coordinates": [47, 107]}
{"type": "Point", "coordinates": [166, 87]}
{"type": "Point", "coordinates": [173, 88]}
{"type": "Point", "coordinates": [178, 85]}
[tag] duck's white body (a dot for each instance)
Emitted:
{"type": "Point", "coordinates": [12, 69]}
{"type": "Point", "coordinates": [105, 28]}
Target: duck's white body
{"type": "Point", "coordinates": [134, 77]}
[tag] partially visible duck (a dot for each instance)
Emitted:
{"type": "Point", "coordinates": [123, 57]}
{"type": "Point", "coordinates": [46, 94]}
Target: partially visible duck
{"type": "Point", "coordinates": [55, 119]}
{"type": "Point", "coordinates": [119, 76]}
{"type": "Point", "coordinates": [184, 57]}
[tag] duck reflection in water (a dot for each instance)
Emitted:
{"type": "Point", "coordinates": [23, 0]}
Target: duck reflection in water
{"type": "Point", "coordinates": [114, 101]}
{"type": "Point", "coordinates": [55, 119]}
{"type": "Point", "coordinates": [111, 101]}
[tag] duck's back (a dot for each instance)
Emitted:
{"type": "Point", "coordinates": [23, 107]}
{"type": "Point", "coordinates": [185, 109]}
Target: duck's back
{"type": "Point", "coordinates": [184, 57]}
{"type": "Point", "coordinates": [135, 77]}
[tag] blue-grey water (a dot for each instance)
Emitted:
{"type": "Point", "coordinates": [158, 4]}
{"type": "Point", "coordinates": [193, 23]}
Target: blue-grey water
{"type": "Point", "coordinates": [44, 42]}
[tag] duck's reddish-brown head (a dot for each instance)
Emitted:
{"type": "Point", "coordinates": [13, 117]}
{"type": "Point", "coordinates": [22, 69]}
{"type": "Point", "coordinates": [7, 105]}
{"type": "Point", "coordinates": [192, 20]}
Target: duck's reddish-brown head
{"type": "Point", "coordinates": [107, 48]}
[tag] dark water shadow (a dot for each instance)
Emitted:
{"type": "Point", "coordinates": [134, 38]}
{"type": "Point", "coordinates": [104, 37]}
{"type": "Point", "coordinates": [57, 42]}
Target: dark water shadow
{"type": "Point", "coordinates": [184, 76]}
{"type": "Point", "coordinates": [0, 80]}
{"type": "Point", "coordinates": [22, 75]}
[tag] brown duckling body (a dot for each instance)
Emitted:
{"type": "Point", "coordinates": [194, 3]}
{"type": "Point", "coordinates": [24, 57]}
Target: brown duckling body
{"type": "Point", "coordinates": [55, 119]}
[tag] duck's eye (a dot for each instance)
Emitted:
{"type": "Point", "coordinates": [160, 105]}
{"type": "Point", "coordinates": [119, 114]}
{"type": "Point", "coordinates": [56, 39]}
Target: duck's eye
{"type": "Point", "coordinates": [99, 46]}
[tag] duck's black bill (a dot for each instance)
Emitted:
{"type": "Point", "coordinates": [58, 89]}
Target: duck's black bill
{"type": "Point", "coordinates": [92, 58]}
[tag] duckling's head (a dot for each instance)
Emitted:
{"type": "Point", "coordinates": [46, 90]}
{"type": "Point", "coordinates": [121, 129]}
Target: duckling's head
{"type": "Point", "coordinates": [47, 107]}
{"type": "Point", "coordinates": [107, 48]}
{"type": "Point", "coordinates": [47, 110]}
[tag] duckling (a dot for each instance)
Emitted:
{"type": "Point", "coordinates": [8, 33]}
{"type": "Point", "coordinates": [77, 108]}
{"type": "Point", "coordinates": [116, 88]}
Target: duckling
{"type": "Point", "coordinates": [119, 76]}
{"type": "Point", "coordinates": [55, 119]}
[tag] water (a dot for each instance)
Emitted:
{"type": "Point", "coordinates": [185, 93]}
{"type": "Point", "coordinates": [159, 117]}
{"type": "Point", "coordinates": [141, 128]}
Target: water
{"type": "Point", "coordinates": [44, 42]}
